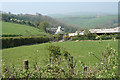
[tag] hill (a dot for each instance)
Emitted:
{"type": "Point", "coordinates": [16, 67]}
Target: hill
{"type": "Point", "coordinates": [35, 20]}
{"type": "Point", "coordinates": [89, 20]}
{"type": "Point", "coordinates": [38, 52]}
{"type": "Point", "coordinates": [18, 29]}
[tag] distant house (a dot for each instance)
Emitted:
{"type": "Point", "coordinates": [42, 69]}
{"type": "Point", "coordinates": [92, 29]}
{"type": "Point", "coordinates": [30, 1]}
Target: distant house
{"type": "Point", "coordinates": [74, 34]}
{"type": "Point", "coordinates": [59, 30]}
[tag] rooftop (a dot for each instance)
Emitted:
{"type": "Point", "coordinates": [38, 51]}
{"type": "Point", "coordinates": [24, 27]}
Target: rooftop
{"type": "Point", "coordinates": [110, 30]}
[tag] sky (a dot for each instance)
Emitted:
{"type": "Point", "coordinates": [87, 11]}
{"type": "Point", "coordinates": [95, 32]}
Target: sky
{"type": "Point", "coordinates": [59, 0]}
{"type": "Point", "coordinates": [59, 7]}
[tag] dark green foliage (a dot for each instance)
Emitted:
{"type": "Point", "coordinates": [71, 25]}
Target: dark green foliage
{"type": "Point", "coordinates": [18, 41]}
{"type": "Point", "coordinates": [58, 37]}
{"type": "Point", "coordinates": [58, 58]}
{"type": "Point", "coordinates": [34, 20]}
{"type": "Point", "coordinates": [10, 35]}
{"type": "Point", "coordinates": [85, 37]}
{"type": "Point", "coordinates": [91, 36]}
{"type": "Point", "coordinates": [43, 25]}
{"type": "Point", "coordinates": [54, 51]}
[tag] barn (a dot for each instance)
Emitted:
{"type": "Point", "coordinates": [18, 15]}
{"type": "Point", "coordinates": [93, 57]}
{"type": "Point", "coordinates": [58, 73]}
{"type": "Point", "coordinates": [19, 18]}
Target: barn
{"type": "Point", "coordinates": [105, 31]}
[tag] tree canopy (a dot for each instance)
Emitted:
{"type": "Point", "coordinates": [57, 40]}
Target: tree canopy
{"type": "Point", "coordinates": [43, 25]}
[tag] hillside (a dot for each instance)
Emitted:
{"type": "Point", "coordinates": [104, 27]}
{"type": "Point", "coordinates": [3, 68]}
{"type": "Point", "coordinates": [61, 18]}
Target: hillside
{"type": "Point", "coordinates": [90, 21]}
{"type": "Point", "coordinates": [35, 20]}
{"type": "Point", "coordinates": [18, 29]}
{"type": "Point", "coordinates": [80, 50]}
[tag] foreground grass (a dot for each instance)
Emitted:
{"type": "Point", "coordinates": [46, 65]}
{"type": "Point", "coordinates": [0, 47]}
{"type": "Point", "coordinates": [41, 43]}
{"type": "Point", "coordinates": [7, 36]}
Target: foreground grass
{"type": "Point", "coordinates": [38, 52]}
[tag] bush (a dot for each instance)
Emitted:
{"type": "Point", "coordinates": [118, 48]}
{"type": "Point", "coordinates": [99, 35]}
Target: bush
{"type": "Point", "coordinates": [66, 38]}
{"type": "Point", "coordinates": [58, 37]}
{"type": "Point", "coordinates": [18, 41]}
{"type": "Point", "coordinates": [62, 65]}
{"type": "Point", "coordinates": [96, 37]}
{"type": "Point", "coordinates": [84, 37]}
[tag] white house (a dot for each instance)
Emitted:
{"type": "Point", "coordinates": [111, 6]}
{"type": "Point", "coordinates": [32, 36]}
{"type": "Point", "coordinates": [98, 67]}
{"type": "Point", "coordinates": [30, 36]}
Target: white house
{"type": "Point", "coordinates": [59, 30]}
{"type": "Point", "coordinates": [74, 34]}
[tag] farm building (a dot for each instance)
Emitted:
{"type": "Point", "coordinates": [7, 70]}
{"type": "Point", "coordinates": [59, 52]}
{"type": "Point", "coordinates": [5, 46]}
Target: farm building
{"type": "Point", "coordinates": [105, 31]}
{"type": "Point", "coordinates": [99, 31]}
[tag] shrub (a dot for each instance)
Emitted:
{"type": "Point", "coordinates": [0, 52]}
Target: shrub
{"type": "Point", "coordinates": [62, 65]}
{"type": "Point", "coordinates": [66, 38]}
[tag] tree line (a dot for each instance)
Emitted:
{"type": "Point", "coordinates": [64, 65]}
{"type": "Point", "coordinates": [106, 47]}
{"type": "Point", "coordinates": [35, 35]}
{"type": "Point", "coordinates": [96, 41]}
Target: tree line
{"type": "Point", "coordinates": [36, 21]}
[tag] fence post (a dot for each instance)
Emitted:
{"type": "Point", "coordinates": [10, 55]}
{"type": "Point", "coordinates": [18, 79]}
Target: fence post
{"type": "Point", "coordinates": [25, 65]}
{"type": "Point", "coordinates": [85, 71]}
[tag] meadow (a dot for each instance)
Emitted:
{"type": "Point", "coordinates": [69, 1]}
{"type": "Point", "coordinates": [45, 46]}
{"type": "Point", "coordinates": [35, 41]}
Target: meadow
{"type": "Point", "coordinates": [18, 29]}
{"type": "Point", "coordinates": [79, 50]}
{"type": "Point", "coordinates": [90, 21]}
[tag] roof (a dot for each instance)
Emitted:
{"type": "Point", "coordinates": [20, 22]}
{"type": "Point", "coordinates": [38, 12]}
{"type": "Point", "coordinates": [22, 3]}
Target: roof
{"type": "Point", "coordinates": [110, 30]}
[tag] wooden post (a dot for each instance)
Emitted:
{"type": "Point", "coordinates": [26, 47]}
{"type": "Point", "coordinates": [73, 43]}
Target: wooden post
{"type": "Point", "coordinates": [85, 68]}
{"type": "Point", "coordinates": [85, 71]}
{"type": "Point", "coordinates": [25, 65]}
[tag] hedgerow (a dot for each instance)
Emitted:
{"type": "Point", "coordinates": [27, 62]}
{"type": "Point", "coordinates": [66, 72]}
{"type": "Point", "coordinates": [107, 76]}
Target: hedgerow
{"type": "Point", "coordinates": [18, 41]}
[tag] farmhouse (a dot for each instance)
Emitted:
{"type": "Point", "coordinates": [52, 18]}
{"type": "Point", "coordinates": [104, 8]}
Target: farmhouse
{"type": "Point", "coordinates": [59, 30]}
{"type": "Point", "coordinates": [73, 34]}
{"type": "Point", "coordinates": [76, 33]}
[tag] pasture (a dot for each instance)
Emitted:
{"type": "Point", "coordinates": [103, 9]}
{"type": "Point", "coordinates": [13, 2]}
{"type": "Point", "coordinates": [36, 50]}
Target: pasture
{"type": "Point", "coordinates": [18, 29]}
{"type": "Point", "coordinates": [90, 21]}
{"type": "Point", "coordinates": [39, 53]}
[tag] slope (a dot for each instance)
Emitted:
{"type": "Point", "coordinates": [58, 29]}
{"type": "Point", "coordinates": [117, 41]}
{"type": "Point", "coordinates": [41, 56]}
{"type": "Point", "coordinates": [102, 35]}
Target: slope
{"type": "Point", "coordinates": [18, 29]}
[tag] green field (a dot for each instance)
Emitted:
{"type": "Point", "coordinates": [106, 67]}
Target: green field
{"type": "Point", "coordinates": [91, 21]}
{"type": "Point", "coordinates": [38, 52]}
{"type": "Point", "coordinates": [18, 29]}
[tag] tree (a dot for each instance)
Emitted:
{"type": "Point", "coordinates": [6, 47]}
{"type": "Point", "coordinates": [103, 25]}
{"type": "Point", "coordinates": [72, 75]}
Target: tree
{"type": "Point", "coordinates": [28, 23]}
{"type": "Point", "coordinates": [36, 23]}
{"type": "Point", "coordinates": [43, 25]}
{"type": "Point", "coordinates": [86, 32]}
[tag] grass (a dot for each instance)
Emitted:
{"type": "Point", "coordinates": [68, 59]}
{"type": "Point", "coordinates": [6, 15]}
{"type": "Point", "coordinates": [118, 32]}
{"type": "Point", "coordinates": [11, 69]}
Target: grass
{"type": "Point", "coordinates": [38, 52]}
{"type": "Point", "coordinates": [90, 21]}
{"type": "Point", "coordinates": [18, 29]}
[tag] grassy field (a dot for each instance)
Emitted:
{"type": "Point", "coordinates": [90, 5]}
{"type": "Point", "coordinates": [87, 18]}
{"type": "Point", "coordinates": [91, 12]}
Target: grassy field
{"type": "Point", "coordinates": [90, 21]}
{"type": "Point", "coordinates": [38, 52]}
{"type": "Point", "coordinates": [18, 29]}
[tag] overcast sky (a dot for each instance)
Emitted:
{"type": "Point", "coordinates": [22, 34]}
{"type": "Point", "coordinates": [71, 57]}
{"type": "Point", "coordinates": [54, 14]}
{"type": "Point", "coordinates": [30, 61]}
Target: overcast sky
{"type": "Point", "coordinates": [59, 0]}
{"type": "Point", "coordinates": [59, 7]}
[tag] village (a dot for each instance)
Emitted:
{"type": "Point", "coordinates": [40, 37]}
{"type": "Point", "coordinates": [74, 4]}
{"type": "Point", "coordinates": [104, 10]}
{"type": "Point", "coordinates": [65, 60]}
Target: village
{"type": "Point", "coordinates": [116, 30]}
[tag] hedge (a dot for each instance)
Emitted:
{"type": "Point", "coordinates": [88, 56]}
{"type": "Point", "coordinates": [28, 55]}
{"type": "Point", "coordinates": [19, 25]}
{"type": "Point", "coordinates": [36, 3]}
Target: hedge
{"type": "Point", "coordinates": [10, 35]}
{"type": "Point", "coordinates": [83, 37]}
{"type": "Point", "coordinates": [8, 42]}
{"type": "Point", "coordinates": [93, 37]}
